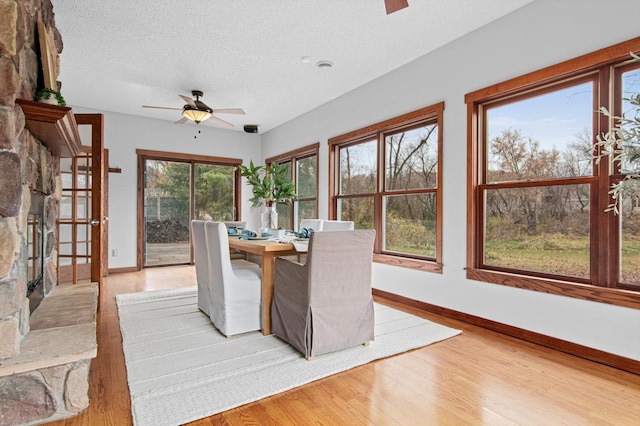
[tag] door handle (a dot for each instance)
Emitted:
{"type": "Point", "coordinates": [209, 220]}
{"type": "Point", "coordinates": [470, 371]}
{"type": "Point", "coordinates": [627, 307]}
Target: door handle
{"type": "Point", "coordinates": [94, 222]}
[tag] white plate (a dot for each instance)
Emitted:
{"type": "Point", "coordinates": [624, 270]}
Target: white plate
{"type": "Point", "coordinates": [258, 238]}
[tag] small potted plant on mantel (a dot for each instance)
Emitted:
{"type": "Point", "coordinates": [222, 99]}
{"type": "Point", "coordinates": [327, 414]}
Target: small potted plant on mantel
{"type": "Point", "coordinates": [50, 96]}
{"type": "Point", "coordinates": [270, 185]}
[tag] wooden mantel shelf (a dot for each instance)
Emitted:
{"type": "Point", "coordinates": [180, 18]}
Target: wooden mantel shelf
{"type": "Point", "coordinates": [55, 126]}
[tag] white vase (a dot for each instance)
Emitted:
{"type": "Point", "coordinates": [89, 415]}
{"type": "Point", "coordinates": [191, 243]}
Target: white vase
{"type": "Point", "coordinates": [269, 218]}
{"type": "Point", "coordinates": [51, 101]}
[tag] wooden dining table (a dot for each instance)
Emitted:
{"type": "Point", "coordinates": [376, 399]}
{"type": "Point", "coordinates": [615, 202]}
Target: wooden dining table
{"type": "Point", "coordinates": [268, 250]}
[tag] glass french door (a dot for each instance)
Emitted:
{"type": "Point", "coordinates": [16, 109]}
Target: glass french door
{"type": "Point", "coordinates": [175, 192]}
{"type": "Point", "coordinates": [76, 224]}
{"type": "Point", "coordinates": [74, 257]}
{"type": "Point", "coordinates": [83, 212]}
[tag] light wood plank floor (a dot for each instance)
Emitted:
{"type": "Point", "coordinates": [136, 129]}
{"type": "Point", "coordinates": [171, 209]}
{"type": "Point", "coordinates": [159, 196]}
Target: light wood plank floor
{"type": "Point", "coordinates": [478, 378]}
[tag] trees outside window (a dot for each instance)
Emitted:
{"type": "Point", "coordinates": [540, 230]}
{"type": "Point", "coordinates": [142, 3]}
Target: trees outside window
{"type": "Point", "coordinates": [539, 216]}
{"type": "Point", "coordinates": [629, 203]}
{"type": "Point", "coordinates": [538, 182]}
{"type": "Point", "coordinates": [388, 177]}
{"type": "Point", "coordinates": [175, 189]}
{"type": "Point", "coordinates": [306, 206]}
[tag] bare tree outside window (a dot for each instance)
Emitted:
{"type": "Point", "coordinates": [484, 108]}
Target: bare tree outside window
{"type": "Point", "coordinates": [388, 177]}
{"type": "Point", "coordinates": [537, 218]}
{"type": "Point", "coordinates": [540, 192]}
{"type": "Point", "coordinates": [410, 181]}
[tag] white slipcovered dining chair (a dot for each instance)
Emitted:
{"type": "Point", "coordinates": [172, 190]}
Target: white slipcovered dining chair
{"type": "Point", "coordinates": [201, 258]}
{"type": "Point", "coordinates": [230, 292]}
{"type": "Point", "coordinates": [315, 224]}
{"type": "Point", "coordinates": [337, 225]}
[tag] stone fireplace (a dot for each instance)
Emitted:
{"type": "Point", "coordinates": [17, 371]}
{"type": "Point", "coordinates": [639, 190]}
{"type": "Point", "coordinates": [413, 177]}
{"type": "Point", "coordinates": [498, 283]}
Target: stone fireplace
{"type": "Point", "coordinates": [45, 351]}
{"type": "Point", "coordinates": [35, 245]}
{"type": "Point", "coordinates": [35, 250]}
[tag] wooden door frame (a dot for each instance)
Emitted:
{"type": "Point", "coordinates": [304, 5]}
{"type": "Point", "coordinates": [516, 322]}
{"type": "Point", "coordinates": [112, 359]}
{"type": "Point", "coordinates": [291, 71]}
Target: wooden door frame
{"type": "Point", "coordinates": [144, 155]}
{"type": "Point", "coordinates": [96, 121]}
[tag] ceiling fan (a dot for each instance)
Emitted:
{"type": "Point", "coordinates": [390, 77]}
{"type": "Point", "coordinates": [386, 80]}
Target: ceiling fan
{"type": "Point", "coordinates": [395, 5]}
{"type": "Point", "coordinates": [197, 111]}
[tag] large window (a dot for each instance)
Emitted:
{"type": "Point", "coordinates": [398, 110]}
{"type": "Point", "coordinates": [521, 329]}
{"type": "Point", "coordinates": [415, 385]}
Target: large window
{"type": "Point", "coordinates": [303, 171]}
{"type": "Point", "coordinates": [176, 189]}
{"type": "Point", "coordinates": [387, 177]}
{"type": "Point", "coordinates": [537, 199]}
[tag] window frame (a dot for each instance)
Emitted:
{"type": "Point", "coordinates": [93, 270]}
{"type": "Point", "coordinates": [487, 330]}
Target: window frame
{"type": "Point", "coordinates": [191, 159]}
{"type": "Point", "coordinates": [293, 157]}
{"type": "Point", "coordinates": [604, 66]}
{"type": "Point", "coordinates": [377, 132]}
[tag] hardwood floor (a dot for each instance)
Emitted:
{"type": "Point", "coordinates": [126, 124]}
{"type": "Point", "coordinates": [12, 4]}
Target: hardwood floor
{"type": "Point", "coordinates": [479, 377]}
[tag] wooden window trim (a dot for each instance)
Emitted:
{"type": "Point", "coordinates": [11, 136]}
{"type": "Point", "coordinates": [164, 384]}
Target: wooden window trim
{"type": "Point", "coordinates": [294, 156]}
{"type": "Point", "coordinates": [377, 131]}
{"type": "Point", "coordinates": [191, 158]}
{"type": "Point", "coordinates": [305, 151]}
{"type": "Point", "coordinates": [599, 61]}
{"type": "Point", "coordinates": [613, 296]}
{"type": "Point", "coordinates": [145, 154]}
{"type": "Point", "coordinates": [580, 65]}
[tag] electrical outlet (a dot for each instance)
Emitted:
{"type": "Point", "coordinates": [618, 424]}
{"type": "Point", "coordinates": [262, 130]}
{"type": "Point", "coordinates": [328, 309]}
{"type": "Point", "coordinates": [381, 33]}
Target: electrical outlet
{"type": "Point", "coordinates": [114, 253]}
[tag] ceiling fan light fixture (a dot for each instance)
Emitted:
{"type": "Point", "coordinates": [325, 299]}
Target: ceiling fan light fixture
{"type": "Point", "coordinates": [196, 115]}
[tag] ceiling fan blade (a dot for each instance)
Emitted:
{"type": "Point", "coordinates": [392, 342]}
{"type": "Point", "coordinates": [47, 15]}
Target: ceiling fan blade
{"type": "Point", "coordinates": [157, 107]}
{"type": "Point", "coordinates": [221, 122]}
{"type": "Point", "coordinates": [189, 101]}
{"type": "Point", "coordinates": [229, 111]}
{"type": "Point", "coordinates": [202, 106]}
{"type": "Point", "coordinates": [395, 5]}
{"type": "Point", "coordinates": [182, 120]}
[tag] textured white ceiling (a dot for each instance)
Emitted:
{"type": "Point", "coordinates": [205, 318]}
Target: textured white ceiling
{"type": "Point", "coordinates": [120, 55]}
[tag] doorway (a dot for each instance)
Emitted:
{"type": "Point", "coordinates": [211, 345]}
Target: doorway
{"type": "Point", "coordinates": [82, 219]}
{"type": "Point", "coordinates": [175, 189]}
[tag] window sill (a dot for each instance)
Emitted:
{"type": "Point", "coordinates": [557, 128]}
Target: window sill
{"type": "Point", "coordinates": [613, 296]}
{"type": "Point", "coordinates": [403, 262]}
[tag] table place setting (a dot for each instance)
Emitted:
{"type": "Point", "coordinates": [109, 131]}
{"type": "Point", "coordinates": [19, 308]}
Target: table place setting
{"type": "Point", "coordinates": [300, 239]}
{"type": "Point", "coordinates": [247, 234]}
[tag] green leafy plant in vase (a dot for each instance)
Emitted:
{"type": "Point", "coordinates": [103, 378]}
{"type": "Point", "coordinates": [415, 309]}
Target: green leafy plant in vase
{"type": "Point", "coordinates": [270, 185]}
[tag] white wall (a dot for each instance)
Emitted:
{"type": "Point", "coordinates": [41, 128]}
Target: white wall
{"type": "Point", "coordinates": [540, 34]}
{"type": "Point", "coordinates": [124, 134]}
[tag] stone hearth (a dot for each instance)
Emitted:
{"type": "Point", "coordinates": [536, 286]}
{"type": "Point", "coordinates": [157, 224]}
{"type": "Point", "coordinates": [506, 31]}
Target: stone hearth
{"type": "Point", "coordinates": [49, 380]}
{"type": "Point", "coordinates": [44, 356]}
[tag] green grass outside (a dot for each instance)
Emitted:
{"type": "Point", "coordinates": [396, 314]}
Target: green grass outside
{"type": "Point", "coordinates": [558, 253]}
{"type": "Point", "coordinates": [551, 253]}
{"type": "Point", "coordinates": [428, 250]}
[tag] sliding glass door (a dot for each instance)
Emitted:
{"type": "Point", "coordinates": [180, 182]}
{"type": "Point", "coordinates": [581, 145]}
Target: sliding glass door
{"type": "Point", "coordinates": [167, 216]}
{"type": "Point", "coordinates": [175, 191]}
{"type": "Point", "coordinates": [214, 192]}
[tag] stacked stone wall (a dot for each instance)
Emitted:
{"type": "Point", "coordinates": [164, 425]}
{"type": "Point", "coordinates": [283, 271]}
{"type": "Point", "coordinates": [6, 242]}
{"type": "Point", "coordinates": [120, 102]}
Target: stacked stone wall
{"type": "Point", "coordinates": [25, 165]}
{"type": "Point", "coordinates": [49, 393]}
{"type": "Point", "coordinates": [60, 389]}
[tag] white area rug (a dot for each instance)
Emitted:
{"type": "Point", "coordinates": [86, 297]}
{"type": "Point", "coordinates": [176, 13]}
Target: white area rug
{"type": "Point", "coordinates": [180, 368]}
